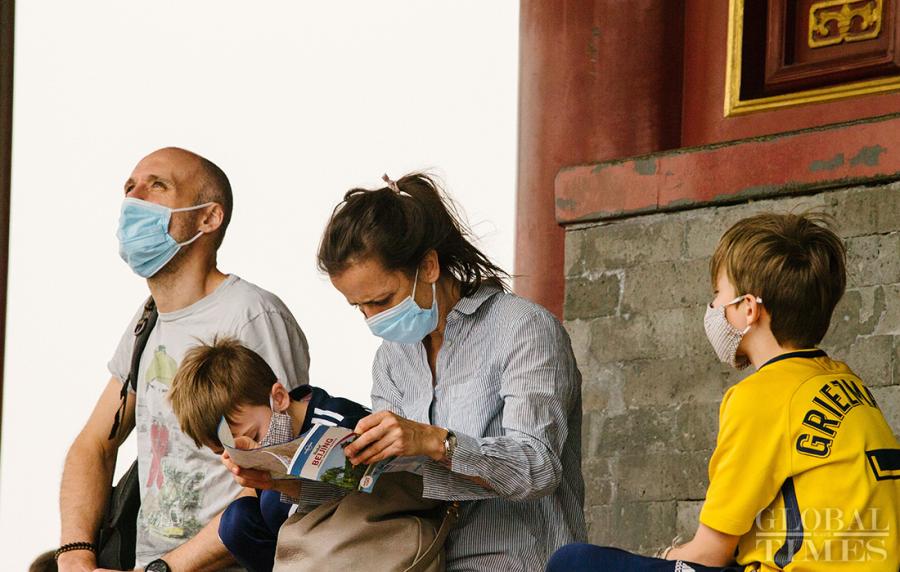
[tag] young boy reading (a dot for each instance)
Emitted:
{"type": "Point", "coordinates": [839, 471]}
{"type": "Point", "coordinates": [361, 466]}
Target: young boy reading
{"type": "Point", "coordinates": [806, 471]}
{"type": "Point", "coordinates": [226, 379]}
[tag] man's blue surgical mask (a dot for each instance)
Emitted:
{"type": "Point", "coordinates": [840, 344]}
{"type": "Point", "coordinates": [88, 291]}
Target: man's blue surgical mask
{"type": "Point", "coordinates": [406, 323]}
{"type": "Point", "coordinates": [144, 239]}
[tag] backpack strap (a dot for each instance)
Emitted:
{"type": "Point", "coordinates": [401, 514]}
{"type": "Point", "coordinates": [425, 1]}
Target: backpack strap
{"type": "Point", "coordinates": [141, 335]}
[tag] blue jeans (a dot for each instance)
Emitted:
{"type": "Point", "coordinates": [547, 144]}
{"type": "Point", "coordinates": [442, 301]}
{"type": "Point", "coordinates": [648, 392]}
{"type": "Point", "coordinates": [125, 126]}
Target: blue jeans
{"type": "Point", "coordinates": [590, 558]}
{"type": "Point", "coordinates": [249, 529]}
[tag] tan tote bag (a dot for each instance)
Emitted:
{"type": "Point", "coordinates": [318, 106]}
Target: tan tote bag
{"type": "Point", "coordinates": [392, 529]}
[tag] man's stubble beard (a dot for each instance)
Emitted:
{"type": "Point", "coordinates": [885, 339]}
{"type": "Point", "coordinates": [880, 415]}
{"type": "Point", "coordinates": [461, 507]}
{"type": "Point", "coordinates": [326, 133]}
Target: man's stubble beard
{"type": "Point", "coordinates": [168, 274]}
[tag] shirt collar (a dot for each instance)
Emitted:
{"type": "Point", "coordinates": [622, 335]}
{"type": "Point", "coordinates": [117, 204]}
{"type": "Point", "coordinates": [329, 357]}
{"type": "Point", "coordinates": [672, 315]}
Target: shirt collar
{"type": "Point", "coordinates": [809, 353]}
{"type": "Point", "coordinates": [315, 397]}
{"type": "Point", "coordinates": [471, 303]}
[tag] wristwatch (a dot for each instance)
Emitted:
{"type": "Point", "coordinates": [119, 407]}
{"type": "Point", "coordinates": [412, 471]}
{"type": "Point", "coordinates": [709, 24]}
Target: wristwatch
{"type": "Point", "coordinates": [158, 565]}
{"type": "Point", "coordinates": [449, 445]}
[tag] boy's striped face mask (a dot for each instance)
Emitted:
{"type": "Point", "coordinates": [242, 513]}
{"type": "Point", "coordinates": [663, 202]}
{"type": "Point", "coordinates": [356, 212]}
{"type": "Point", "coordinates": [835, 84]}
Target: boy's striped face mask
{"type": "Point", "coordinates": [280, 430]}
{"type": "Point", "coordinates": [724, 337]}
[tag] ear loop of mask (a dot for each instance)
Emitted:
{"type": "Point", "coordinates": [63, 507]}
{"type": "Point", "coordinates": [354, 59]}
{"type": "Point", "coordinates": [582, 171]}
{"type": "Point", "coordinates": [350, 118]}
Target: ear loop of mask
{"type": "Point", "coordinates": [187, 242]}
{"type": "Point", "coordinates": [433, 291]}
{"type": "Point", "coordinates": [738, 301]}
{"type": "Point", "coordinates": [193, 208]}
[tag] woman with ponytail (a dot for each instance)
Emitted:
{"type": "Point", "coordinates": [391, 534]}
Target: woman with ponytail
{"type": "Point", "coordinates": [481, 383]}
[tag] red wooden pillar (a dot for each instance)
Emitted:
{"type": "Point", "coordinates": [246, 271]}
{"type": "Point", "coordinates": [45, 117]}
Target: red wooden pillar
{"type": "Point", "coordinates": [599, 80]}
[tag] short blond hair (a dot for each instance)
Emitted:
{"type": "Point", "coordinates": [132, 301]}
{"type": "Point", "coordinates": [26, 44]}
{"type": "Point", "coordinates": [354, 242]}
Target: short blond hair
{"type": "Point", "coordinates": [795, 263]}
{"type": "Point", "coordinates": [214, 381]}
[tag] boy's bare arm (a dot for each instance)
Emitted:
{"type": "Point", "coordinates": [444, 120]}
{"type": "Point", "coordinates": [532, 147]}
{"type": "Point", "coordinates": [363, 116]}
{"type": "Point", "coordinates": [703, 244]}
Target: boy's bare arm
{"type": "Point", "coordinates": [708, 547]}
{"type": "Point", "coordinates": [87, 475]}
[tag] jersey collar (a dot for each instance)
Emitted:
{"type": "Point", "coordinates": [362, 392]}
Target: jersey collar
{"type": "Point", "coordinates": [811, 353]}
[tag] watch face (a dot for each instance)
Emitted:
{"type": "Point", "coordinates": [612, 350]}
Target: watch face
{"type": "Point", "coordinates": [450, 444]}
{"type": "Point", "coordinates": [157, 566]}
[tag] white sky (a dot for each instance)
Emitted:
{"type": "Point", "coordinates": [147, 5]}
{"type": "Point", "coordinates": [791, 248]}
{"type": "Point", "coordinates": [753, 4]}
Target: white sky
{"type": "Point", "coordinates": [297, 102]}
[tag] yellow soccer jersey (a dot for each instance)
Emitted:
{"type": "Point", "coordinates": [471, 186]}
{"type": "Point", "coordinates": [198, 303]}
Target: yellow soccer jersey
{"type": "Point", "coordinates": [806, 470]}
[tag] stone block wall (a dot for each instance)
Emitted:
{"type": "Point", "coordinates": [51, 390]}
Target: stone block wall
{"type": "Point", "coordinates": [635, 295]}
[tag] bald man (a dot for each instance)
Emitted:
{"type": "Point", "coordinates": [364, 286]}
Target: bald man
{"type": "Point", "coordinates": [173, 219]}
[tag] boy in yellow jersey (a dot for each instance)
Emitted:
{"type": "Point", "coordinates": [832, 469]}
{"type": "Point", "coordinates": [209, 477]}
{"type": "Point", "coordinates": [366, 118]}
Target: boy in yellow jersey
{"type": "Point", "coordinates": [806, 471]}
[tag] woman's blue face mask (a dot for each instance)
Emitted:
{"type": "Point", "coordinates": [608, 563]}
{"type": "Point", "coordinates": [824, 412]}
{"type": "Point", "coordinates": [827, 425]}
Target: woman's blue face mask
{"type": "Point", "coordinates": [144, 240]}
{"type": "Point", "coordinates": [406, 323]}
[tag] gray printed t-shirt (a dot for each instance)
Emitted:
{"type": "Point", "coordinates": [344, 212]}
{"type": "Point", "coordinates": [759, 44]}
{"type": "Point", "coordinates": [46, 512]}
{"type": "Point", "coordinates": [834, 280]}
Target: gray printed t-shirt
{"type": "Point", "coordinates": [183, 487]}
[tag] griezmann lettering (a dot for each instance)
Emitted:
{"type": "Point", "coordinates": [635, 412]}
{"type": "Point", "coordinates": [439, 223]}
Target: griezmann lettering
{"type": "Point", "coordinates": [832, 403]}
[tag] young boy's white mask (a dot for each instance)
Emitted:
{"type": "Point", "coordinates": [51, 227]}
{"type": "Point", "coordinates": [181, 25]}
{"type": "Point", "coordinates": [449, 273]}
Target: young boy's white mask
{"type": "Point", "coordinates": [280, 427]}
{"type": "Point", "coordinates": [724, 337]}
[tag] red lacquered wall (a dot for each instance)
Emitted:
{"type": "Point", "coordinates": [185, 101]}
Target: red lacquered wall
{"type": "Point", "coordinates": [599, 79]}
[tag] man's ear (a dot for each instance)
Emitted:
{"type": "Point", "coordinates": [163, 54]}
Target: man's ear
{"type": "Point", "coordinates": [212, 218]}
{"type": "Point", "coordinates": [281, 399]}
{"type": "Point", "coordinates": [430, 267]}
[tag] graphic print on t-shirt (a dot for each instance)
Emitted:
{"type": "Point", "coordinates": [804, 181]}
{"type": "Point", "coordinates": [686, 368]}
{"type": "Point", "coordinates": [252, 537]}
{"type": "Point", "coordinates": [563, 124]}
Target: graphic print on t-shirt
{"type": "Point", "coordinates": [172, 493]}
{"type": "Point", "coordinates": [162, 369]}
{"type": "Point", "coordinates": [189, 484]}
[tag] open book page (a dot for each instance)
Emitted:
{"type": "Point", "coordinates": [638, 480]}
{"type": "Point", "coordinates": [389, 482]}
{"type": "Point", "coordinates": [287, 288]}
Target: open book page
{"type": "Point", "coordinates": [322, 458]}
{"type": "Point", "coordinates": [317, 455]}
{"type": "Point", "coordinates": [392, 465]}
{"type": "Point", "coordinates": [273, 458]}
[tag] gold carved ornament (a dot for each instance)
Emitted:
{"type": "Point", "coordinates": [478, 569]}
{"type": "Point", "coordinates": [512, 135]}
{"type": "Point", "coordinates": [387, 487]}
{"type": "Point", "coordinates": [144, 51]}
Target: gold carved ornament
{"type": "Point", "coordinates": [734, 105]}
{"type": "Point", "coordinates": [868, 15]}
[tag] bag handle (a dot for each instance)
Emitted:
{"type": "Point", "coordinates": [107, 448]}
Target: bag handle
{"type": "Point", "coordinates": [437, 544]}
{"type": "Point", "coordinates": [141, 335]}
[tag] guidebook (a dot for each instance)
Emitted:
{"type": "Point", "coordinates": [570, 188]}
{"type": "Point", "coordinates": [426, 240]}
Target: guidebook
{"type": "Point", "coordinates": [317, 455]}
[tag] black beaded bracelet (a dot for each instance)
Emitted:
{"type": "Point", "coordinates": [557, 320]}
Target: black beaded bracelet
{"type": "Point", "coordinates": [74, 546]}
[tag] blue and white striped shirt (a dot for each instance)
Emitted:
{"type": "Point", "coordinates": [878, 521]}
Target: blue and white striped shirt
{"type": "Point", "coordinates": [508, 386]}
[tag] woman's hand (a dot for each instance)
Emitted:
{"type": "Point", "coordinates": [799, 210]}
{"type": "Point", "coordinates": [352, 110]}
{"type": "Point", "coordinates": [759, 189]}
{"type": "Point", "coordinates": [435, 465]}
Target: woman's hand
{"type": "Point", "coordinates": [384, 434]}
